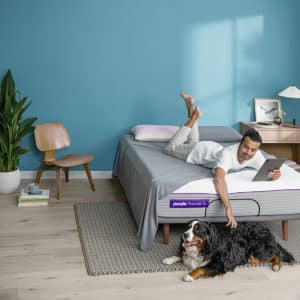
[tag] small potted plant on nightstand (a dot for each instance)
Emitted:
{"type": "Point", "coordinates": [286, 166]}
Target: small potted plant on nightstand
{"type": "Point", "coordinates": [13, 127]}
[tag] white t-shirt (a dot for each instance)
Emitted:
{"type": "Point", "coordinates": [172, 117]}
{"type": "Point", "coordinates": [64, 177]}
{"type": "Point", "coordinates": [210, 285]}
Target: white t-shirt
{"type": "Point", "coordinates": [214, 155]}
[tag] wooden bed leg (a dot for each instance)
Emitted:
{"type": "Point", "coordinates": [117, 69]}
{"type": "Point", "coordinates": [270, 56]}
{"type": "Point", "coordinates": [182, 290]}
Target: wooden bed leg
{"type": "Point", "coordinates": [166, 232]}
{"type": "Point", "coordinates": [285, 230]}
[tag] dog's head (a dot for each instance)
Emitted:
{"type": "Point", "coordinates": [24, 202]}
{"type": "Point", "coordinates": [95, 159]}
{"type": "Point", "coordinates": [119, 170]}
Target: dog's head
{"type": "Point", "coordinates": [198, 234]}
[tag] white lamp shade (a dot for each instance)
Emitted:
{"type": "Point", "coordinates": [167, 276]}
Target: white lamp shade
{"type": "Point", "coordinates": [290, 92]}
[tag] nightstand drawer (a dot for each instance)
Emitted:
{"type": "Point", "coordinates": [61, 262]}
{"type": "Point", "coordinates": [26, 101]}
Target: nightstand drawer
{"type": "Point", "coordinates": [279, 136]}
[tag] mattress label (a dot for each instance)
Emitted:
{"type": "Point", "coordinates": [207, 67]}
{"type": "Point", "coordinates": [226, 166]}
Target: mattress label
{"type": "Point", "coordinates": [188, 203]}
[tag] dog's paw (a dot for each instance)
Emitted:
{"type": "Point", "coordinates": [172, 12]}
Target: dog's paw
{"type": "Point", "coordinates": [188, 278]}
{"type": "Point", "coordinates": [276, 268]}
{"type": "Point", "coordinates": [167, 261]}
{"type": "Point", "coordinates": [171, 260]}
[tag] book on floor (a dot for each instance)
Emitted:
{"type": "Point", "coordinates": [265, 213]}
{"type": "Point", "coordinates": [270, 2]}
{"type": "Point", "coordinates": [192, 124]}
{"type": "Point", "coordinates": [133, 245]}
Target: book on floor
{"type": "Point", "coordinates": [27, 199]}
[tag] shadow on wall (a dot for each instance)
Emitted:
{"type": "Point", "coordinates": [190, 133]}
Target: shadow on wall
{"type": "Point", "coordinates": [222, 63]}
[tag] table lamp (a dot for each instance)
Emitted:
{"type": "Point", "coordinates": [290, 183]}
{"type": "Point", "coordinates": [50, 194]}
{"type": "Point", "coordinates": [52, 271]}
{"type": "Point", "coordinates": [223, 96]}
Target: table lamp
{"type": "Point", "coordinates": [294, 93]}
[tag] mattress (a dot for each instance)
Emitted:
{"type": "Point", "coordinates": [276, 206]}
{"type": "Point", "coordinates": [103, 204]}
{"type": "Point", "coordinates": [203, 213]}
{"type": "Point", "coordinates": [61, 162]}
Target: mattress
{"type": "Point", "coordinates": [248, 198]}
{"type": "Point", "coordinates": [203, 205]}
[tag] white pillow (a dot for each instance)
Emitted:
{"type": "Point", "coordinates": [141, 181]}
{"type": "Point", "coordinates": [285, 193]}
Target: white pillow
{"type": "Point", "coordinates": [154, 133]}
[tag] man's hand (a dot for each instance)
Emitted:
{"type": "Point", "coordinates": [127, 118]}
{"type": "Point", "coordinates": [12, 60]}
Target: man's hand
{"type": "Point", "coordinates": [275, 174]}
{"type": "Point", "coordinates": [221, 188]}
{"type": "Point", "coordinates": [231, 219]}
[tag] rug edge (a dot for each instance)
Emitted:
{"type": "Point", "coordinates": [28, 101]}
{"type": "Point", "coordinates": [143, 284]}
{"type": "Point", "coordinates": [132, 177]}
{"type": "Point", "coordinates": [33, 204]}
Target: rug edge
{"type": "Point", "coordinates": [83, 250]}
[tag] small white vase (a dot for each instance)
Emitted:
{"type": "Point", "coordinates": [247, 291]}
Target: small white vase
{"type": "Point", "coordinates": [9, 181]}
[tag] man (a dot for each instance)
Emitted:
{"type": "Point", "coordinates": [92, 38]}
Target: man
{"type": "Point", "coordinates": [185, 145]}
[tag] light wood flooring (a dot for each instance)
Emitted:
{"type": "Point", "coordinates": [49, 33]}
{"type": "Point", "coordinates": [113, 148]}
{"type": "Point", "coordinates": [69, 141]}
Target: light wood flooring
{"type": "Point", "coordinates": [41, 258]}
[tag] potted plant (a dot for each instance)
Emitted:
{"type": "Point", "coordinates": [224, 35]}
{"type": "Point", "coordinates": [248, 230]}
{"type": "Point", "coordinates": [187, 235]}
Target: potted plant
{"type": "Point", "coordinates": [13, 127]}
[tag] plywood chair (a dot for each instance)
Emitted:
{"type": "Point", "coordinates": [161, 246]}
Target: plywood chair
{"type": "Point", "coordinates": [54, 136]}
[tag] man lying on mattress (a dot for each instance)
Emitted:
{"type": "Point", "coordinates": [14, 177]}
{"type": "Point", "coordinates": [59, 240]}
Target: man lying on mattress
{"type": "Point", "coordinates": [185, 145]}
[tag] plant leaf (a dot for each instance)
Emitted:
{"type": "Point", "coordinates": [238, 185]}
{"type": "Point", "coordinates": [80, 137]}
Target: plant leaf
{"type": "Point", "coordinates": [3, 144]}
{"type": "Point", "coordinates": [26, 126]}
{"type": "Point", "coordinates": [18, 108]}
{"type": "Point", "coordinates": [12, 126]}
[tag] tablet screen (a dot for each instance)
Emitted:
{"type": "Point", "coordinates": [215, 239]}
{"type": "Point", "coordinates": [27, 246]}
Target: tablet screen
{"type": "Point", "coordinates": [269, 165]}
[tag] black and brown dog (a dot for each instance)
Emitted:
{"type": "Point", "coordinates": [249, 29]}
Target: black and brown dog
{"type": "Point", "coordinates": [213, 249]}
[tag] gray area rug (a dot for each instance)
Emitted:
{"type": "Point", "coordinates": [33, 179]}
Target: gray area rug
{"type": "Point", "coordinates": [110, 246]}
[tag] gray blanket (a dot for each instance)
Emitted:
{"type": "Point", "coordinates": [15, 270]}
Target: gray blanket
{"type": "Point", "coordinates": [147, 175]}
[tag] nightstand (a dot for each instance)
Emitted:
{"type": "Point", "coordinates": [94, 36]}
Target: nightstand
{"type": "Point", "coordinates": [284, 142]}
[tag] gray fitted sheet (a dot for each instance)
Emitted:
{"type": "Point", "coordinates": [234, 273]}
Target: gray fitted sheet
{"type": "Point", "coordinates": [147, 176]}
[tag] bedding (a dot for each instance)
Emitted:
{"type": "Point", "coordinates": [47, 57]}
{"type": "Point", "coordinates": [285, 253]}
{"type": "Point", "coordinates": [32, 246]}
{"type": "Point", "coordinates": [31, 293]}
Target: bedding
{"type": "Point", "coordinates": [163, 133]}
{"type": "Point", "coordinates": [150, 179]}
{"type": "Point", "coordinates": [154, 133]}
{"type": "Point", "coordinates": [220, 134]}
{"type": "Point", "coordinates": [241, 181]}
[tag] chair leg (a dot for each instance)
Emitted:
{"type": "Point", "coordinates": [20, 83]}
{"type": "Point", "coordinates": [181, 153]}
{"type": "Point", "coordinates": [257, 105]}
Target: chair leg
{"type": "Point", "coordinates": [89, 176]}
{"type": "Point", "coordinates": [66, 171]}
{"type": "Point", "coordinates": [58, 184]}
{"type": "Point", "coordinates": [39, 173]}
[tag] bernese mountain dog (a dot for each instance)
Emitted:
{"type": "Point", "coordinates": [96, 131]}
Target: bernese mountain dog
{"type": "Point", "coordinates": [212, 249]}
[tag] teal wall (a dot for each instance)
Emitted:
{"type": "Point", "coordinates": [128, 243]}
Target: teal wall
{"type": "Point", "coordinates": [102, 66]}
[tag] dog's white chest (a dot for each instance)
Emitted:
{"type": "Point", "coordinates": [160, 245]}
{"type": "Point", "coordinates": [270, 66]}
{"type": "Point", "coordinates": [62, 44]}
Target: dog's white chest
{"type": "Point", "coordinates": [192, 259]}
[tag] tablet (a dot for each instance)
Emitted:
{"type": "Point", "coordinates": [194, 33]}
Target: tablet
{"type": "Point", "coordinates": [269, 165]}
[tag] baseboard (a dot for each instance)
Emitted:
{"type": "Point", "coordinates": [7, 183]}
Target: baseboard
{"type": "Point", "coordinates": [72, 174]}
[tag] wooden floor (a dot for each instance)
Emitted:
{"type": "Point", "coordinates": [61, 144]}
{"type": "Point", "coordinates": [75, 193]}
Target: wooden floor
{"type": "Point", "coordinates": [41, 258]}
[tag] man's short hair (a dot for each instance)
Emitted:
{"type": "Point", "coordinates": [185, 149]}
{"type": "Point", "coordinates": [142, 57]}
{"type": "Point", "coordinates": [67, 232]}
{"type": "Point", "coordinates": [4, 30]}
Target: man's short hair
{"type": "Point", "coordinates": [253, 135]}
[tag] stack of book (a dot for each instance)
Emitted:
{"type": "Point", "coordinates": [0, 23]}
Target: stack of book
{"type": "Point", "coordinates": [27, 199]}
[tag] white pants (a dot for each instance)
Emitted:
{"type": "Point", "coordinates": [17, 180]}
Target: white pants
{"type": "Point", "coordinates": [183, 141]}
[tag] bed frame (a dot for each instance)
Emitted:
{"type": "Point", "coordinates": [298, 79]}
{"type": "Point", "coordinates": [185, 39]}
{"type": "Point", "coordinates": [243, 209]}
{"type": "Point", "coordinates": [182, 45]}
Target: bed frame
{"type": "Point", "coordinates": [143, 168]}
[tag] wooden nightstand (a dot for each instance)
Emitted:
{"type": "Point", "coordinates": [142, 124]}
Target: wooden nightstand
{"type": "Point", "coordinates": [284, 142]}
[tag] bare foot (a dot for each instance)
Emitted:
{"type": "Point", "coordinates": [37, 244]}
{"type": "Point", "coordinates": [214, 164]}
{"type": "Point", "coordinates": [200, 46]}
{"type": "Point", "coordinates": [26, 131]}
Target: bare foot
{"type": "Point", "coordinates": [187, 97]}
{"type": "Point", "coordinates": [197, 113]}
{"type": "Point", "coordinates": [189, 102]}
{"type": "Point", "coordinates": [194, 117]}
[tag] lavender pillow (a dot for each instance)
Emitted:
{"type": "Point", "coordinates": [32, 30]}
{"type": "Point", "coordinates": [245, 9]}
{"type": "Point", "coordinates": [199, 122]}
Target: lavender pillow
{"type": "Point", "coordinates": [154, 133]}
